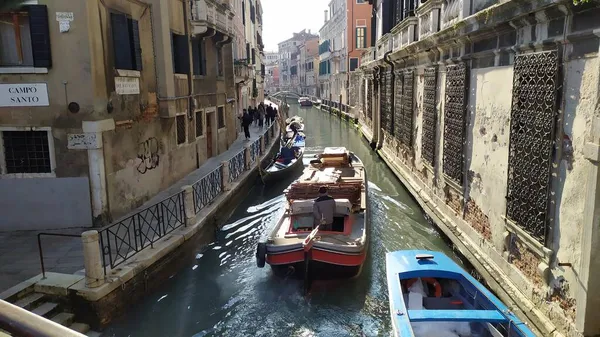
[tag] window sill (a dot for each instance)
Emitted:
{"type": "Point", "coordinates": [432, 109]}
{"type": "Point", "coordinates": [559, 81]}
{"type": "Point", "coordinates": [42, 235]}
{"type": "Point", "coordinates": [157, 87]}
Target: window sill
{"type": "Point", "coordinates": [23, 70]}
{"type": "Point", "coordinates": [128, 73]}
{"type": "Point", "coordinates": [199, 77]}
{"type": "Point", "coordinates": [201, 137]}
{"type": "Point", "coordinates": [180, 76]}
{"type": "Point", "coordinates": [27, 175]}
{"type": "Point", "coordinates": [221, 130]}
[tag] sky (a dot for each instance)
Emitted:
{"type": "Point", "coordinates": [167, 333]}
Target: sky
{"type": "Point", "coordinates": [281, 18]}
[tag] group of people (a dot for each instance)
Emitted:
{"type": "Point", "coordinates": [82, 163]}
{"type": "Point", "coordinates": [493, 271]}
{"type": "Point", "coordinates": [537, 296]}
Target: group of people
{"type": "Point", "coordinates": [257, 116]}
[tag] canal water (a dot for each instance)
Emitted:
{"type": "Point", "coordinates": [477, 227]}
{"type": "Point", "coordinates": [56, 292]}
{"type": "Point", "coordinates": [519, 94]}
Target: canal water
{"type": "Point", "coordinates": [223, 293]}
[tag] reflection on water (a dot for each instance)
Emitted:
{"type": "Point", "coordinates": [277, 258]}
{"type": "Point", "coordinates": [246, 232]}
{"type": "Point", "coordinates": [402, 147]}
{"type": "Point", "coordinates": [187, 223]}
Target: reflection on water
{"type": "Point", "coordinates": [223, 293]}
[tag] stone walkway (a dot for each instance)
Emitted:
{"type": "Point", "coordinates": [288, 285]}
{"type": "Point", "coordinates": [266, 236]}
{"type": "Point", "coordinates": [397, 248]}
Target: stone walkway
{"type": "Point", "coordinates": [19, 254]}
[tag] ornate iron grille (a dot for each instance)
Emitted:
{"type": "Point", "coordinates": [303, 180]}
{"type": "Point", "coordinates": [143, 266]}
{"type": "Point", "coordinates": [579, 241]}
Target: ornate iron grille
{"type": "Point", "coordinates": [398, 118]}
{"type": "Point", "coordinates": [429, 116]}
{"type": "Point", "coordinates": [407, 108]}
{"type": "Point", "coordinates": [127, 237]}
{"type": "Point", "coordinates": [454, 121]}
{"type": "Point", "coordinates": [254, 151]}
{"type": "Point", "coordinates": [370, 100]}
{"type": "Point", "coordinates": [387, 112]}
{"type": "Point", "coordinates": [207, 189]}
{"type": "Point", "coordinates": [237, 166]}
{"type": "Point", "coordinates": [532, 128]}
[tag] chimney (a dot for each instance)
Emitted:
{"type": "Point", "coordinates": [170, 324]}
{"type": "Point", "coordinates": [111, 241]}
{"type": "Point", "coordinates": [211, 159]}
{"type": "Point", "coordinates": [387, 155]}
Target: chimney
{"type": "Point", "coordinates": [309, 32]}
{"type": "Point", "coordinates": [325, 15]}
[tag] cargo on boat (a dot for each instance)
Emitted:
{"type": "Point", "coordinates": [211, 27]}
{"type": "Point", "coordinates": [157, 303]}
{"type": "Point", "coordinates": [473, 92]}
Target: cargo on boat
{"type": "Point", "coordinates": [297, 240]}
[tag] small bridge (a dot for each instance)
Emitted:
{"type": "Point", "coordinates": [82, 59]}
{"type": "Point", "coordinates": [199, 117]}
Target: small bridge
{"type": "Point", "coordinates": [281, 94]}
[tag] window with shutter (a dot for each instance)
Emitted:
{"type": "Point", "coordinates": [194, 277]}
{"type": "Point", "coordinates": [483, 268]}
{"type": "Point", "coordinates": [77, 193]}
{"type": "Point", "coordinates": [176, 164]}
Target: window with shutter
{"type": "Point", "coordinates": [219, 61]}
{"type": "Point", "coordinates": [181, 56]}
{"type": "Point", "coordinates": [126, 42]}
{"type": "Point", "coordinates": [243, 13]}
{"type": "Point", "coordinates": [121, 41]}
{"type": "Point", "coordinates": [198, 56]}
{"type": "Point", "coordinates": [136, 49]}
{"type": "Point", "coordinates": [353, 63]}
{"type": "Point", "coordinates": [40, 35]}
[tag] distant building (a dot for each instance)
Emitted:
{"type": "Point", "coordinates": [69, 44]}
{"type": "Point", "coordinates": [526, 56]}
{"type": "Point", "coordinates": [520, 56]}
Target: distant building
{"type": "Point", "coordinates": [286, 50]}
{"type": "Point", "coordinates": [309, 51]}
{"type": "Point", "coordinates": [343, 38]}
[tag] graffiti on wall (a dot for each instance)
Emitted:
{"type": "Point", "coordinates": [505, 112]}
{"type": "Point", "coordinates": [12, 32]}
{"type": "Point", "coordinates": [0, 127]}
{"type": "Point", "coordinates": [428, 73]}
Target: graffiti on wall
{"type": "Point", "coordinates": [148, 155]}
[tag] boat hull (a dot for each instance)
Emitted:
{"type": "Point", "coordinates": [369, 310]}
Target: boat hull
{"type": "Point", "coordinates": [273, 176]}
{"type": "Point", "coordinates": [324, 265]}
{"type": "Point", "coordinates": [306, 103]}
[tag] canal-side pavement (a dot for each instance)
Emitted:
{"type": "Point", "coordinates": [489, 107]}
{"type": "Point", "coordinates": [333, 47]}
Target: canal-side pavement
{"type": "Point", "coordinates": [19, 253]}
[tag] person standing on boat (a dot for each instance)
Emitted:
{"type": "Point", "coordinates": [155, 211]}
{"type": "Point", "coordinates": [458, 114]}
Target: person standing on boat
{"type": "Point", "coordinates": [323, 210]}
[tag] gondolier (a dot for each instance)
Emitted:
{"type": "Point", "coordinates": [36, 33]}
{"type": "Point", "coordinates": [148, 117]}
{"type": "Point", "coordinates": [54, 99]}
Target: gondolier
{"type": "Point", "coordinates": [323, 210]}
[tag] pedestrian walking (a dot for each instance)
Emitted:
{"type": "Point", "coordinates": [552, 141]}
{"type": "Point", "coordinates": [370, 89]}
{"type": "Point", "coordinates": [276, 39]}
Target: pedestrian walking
{"type": "Point", "coordinates": [261, 115]}
{"type": "Point", "coordinates": [269, 110]}
{"type": "Point", "coordinates": [246, 121]}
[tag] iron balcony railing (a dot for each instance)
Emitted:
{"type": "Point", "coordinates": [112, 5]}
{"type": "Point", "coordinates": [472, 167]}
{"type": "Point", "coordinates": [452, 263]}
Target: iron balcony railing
{"type": "Point", "coordinates": [237, 165]}
{"type": "Point", "coordinates": [127, 237]}
{"type": "Point", "coordinates": [208, 188]}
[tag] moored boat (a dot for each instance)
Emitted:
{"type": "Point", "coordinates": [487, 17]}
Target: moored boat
{"type": "Point", "coordinates": [304, 101]}
{"type": "Point", "coordinates": [288, 160]}
{"type": "Point", "coordinates": [430, 295]}
{"type": "Point", "coordinates": [295, 241]}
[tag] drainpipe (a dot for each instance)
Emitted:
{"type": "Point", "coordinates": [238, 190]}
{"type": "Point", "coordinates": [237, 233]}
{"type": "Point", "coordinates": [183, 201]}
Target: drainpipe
{"type": "Point", "coordinates": [190, 74]}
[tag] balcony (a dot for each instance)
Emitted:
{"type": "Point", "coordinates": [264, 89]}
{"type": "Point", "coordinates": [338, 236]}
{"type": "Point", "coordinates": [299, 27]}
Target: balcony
{"type": "Point", "coordinates": [367, 56]}
{"type": "Point", "coordinates": [241, 71]}
{"type": "Point", "coordinates": [212, 15]}
{"type": "Point", "coordinates": [383, 46]}
{"type": "Point", "coordinates": [405, 33]}
{"type": "Point", "coordinates": [428, 15]}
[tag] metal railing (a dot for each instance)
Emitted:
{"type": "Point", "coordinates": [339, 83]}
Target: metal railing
{"type": "Point", "coordinates": [39, 239]}
{"type": "Point", "coordinates": [254, 151]}
{"type": "Point", "coordinates": [20, 322]}
{"type": "Point", "coordinates": [237, 166]}
{"type": "Point", "coordinates": [127, 237]}
{"type": "Point", "coordinates": [208, 188]}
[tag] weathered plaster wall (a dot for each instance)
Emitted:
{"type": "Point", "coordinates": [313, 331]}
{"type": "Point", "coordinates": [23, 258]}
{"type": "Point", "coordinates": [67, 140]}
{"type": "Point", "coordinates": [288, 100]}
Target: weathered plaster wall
{"type": "Point", "coordinates": [581, 96]}
{"type": "Point", "coordinates": [488, 130]}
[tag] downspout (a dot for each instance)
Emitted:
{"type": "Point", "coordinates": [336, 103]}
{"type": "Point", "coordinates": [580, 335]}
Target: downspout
{"type": "Point", "coordinates": [186, 31]}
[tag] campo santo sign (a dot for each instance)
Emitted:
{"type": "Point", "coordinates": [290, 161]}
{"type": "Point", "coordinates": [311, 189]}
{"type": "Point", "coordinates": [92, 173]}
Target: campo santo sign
{"type": "Point", "coordinates": [24, 94]}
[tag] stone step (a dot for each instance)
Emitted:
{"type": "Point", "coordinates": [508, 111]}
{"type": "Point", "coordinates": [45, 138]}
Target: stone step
{"type": "Point", "coordinates": [92, 333]}
{"type": "Point", "coordinates": [64, 318]}
{"type": "Point", "coordinates": [30, 301]}
{"type": "Point", "coordinates": [80, 327]}
{"type": "Point", "coordinates": [46, 309]}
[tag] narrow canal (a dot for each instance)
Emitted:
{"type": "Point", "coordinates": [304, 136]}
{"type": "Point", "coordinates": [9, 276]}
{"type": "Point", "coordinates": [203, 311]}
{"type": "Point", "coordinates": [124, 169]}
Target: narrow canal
{"type": "Point", "coordinates": [223, 293]}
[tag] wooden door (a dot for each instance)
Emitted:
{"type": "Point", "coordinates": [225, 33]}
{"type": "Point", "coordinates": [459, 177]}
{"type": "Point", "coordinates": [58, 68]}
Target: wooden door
{"type": "Point", "coordinates": [209, 136]}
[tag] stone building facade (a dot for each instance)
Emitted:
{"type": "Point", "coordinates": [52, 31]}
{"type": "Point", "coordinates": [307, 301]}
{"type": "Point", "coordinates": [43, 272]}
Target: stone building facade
{"type": "Point", "coordinates": [105, 103]}
{"type": "Point", "coordinates": [489, 114]}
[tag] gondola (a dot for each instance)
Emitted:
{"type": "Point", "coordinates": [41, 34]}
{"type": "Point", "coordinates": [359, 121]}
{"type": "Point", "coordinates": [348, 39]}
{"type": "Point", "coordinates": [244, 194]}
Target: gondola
{"type": "Point", "coordinates": [430, 295]}
{"type": "Point", "coordinates": [282, 167]}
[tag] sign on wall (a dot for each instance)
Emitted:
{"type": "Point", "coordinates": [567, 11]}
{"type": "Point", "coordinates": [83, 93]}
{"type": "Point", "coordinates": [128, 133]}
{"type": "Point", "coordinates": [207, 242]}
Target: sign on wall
{"type": "Point", "coordinates": [24, 94]}
{"type": "Point", "coordinates": [83, 141]}
{"type": "Point", "coordinates": [127, 85]}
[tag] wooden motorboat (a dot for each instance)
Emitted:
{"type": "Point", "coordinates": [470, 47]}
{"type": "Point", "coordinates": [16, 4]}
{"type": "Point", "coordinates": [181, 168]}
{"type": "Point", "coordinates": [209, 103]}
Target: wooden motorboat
{"type": "Point", "coordinates": [294, 243]}
{"type": "Point", "coordinates": [431, 295]}
{"type": "Point", "coordinates": [282, 167]}
{"type": "Point", "coordinates": [305, 101]}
